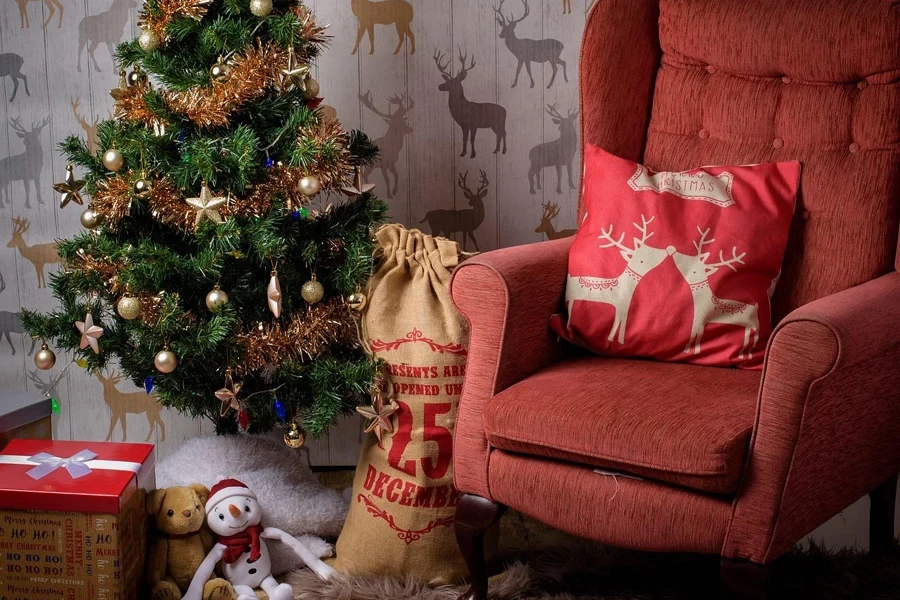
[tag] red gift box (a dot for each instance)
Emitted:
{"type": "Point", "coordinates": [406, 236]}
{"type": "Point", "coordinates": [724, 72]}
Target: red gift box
{"type": "Point", "coordinates": [114, 475]}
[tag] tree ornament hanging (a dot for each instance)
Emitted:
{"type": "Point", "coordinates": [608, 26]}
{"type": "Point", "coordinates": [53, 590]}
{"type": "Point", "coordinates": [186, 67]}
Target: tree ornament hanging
{"type": "Point", "coordinates": [207, 206]}
{"type": "Point", "coordinates": [216, 298]}
{"type": "Point", "coordinates": [359, 185]}
{"type": "Point", "coordinates": [142, 187]}
{"type": "Point", "coordinates": [294, 437]}
{"type": "Point", "coordinates": [227, 395]}
{"type": "Point", "coordinates": [261, 8]}
{"type": "Point", "coordinates": [357, 301]}
{"type": "Point", "coordinates": [243, 419]}
{"type": "Point", "coordinates": [128, 307]}
{"type": "Point", "coordinates": [90, 219]}
{"type": "Point", "coordinates": [380, 415]}
{"type": "Point", "coordinates": [165, 360]}
{"type": "Point", "coordinates": [137, 76]}
{"type": "Point", "coordinates": [280, 410]}
{"type": "Point", "coordinates": [273, 293]}
{"type": "Point", "coordinates": [294, 76]}
{"type": "Point", "coordinates": [44, 358]}
{"type": "Point", "coordinates": [312, 291]}
{"type": "Point", "coordinates": [312, 89]}
{"type": "Point", "coordinates": [148, 40]}
{"type": "Point", "coordinates": [89, 332]}
{"type": "Point", "coordinates": [309, 186]}
{"type": "Point", "coordinates": [70, 189]}
{"type": "Point", "coordinates": [113, 159]}
{"type": "Point", "coordinates": [220, 70]}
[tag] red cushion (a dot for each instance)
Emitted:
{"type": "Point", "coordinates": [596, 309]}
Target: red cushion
{"type": "Point", "coordinates": [678, 266]}
{"type": "Point", "coordinates": [678, 423]}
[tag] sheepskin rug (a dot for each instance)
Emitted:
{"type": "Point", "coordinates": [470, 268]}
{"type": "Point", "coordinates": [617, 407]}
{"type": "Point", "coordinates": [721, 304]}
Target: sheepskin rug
{"type": "Point", "coordinates": [290, 495]}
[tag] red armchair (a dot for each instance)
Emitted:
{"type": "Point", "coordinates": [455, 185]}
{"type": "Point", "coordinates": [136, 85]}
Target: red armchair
{"type": "Point", "coordinates": [740, 464]}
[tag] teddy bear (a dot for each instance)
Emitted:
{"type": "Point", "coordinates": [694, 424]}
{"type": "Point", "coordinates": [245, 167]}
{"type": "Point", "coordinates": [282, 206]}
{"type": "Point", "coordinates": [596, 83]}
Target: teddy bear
{"type": "Point", "coordinates": [179, 543]}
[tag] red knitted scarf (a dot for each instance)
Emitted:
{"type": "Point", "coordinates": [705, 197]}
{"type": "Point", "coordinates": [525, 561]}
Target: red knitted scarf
{"type": "Point", "coordinates": [238, 543]}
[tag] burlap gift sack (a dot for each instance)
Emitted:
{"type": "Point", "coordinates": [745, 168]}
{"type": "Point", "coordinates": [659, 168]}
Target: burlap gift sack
{"type": "Point", "coordinates": [403, 504]}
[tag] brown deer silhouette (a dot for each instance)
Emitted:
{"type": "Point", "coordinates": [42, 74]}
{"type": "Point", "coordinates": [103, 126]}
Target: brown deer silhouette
{"type": "Point", "coordinates": [567, 7]}
{"type": "Point", "coordinates": [528, 50]}
{"type": "Point", "coordinates": [40, 255]}
{"type": "Point", "coordinates": [89, 127]}
{"type": "Point", "coordinates": [25, 167]}
{"type": "Point", "coordinates": [52, 4]}
{"type": "Point", "coordinates": [370, 14]}
{"type": "Point", "coordinates": [557, 153]}
{"type": "Point", "coordinates": [466, 221]}
{"type": "Point", "coordinates": [11, 323]}
{"type": "Point", "coordinates": [11, 66]}
{"type": "Point", "coordinates": [107, 27]}
{"type": "Point", "coordinates": [546, 226]}
{"type": "Point", "coordinates": [121, 404]}
{"type": "Point", "coordinates": [471, 116]}
{"type": "Point", "coordinates": [391, 143]}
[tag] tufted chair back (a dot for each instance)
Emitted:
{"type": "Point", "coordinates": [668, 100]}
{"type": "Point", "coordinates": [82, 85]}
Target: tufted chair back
{"type": "Point", "coordinates": [692, 82]}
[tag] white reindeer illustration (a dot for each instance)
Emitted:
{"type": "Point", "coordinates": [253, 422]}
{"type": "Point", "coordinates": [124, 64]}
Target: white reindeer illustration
{"type": "Point", "coordinates": [709, 308]}
{"type": "Point", "coordinates": [618, 291]}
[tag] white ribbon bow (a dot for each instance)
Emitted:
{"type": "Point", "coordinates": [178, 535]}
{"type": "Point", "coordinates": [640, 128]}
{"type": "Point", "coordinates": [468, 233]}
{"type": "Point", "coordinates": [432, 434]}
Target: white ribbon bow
{"type": "Point", "coordinates": [48, 463]}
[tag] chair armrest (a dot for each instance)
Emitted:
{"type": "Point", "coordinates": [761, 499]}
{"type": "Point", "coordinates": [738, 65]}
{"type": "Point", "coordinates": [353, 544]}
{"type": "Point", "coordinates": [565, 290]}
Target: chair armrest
{"type": "Point", "coordinates": [827, 420]}
{"type": "Point", "coordinates": [508, 297]}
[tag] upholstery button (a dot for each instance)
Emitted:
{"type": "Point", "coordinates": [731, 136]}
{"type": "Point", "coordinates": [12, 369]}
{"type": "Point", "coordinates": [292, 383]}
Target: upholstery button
{"type": "Point", "coordinates": [711, 69]}
{"type": "Point", "coordinates": [703, 134]}
{"type": "Point", "coordinates": [862, 84]}
{"type": "Point", "coordinates": [786, 79]}
{"type": "Point", "coordinates": [854, 147]}
{"type": "Point", "coordinates": [805, 215]}
{"type": "Point", "coordinates": [778, 143]}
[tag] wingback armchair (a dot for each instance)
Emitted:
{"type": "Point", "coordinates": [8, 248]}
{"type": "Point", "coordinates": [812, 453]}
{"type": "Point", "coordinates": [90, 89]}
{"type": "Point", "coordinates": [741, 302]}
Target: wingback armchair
{"type": "Point", "coordinates": [742, 464]}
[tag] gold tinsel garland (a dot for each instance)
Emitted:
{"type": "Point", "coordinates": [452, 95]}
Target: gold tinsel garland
{"type": "Point", "coordinates": [170, 10]}
{"type": "Point", "coordinates": [307, 335]}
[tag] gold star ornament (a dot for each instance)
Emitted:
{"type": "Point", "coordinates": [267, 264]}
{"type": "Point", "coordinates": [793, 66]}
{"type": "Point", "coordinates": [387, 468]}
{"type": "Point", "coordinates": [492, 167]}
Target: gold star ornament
{"type": "Point", "coordinates": [381, 416]}
{"type": "Point", "coordinates": [70, 189]}
{"type": "Point", "coordinates": [228, 394]}
{"type": "Point", "coordinates": [207, 206]}
{"type": "Point", "coordinates": [89, 333]}
{"type": "Point", "coordinates": [295, 75]}
{"type": "Point", "coordinates": [273, 293]}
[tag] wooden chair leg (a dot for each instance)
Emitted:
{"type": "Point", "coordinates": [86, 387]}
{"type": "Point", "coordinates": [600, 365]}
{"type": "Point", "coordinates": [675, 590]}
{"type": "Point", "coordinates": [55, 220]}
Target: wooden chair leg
{"type": "Point", "coordinates": [744, 579]}
{"type": "Point", "coordinates": [474, 516]}
{"type": "Point", "coordinates": [882, 503]}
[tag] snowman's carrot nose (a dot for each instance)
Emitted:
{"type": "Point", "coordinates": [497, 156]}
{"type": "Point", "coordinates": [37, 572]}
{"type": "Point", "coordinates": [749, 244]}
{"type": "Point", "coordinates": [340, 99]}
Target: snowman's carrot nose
{"type": "Point", "coordinates": [234, 510]}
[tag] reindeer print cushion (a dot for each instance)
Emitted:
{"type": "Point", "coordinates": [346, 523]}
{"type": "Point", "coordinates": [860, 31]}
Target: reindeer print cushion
{"type": "Point", "coordinates": [678, 266]}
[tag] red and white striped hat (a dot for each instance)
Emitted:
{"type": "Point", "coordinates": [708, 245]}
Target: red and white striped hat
{"type": "Point", "coordinates": [227, 488]}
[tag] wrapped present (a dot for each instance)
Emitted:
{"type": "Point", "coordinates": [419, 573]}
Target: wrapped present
{"type": "Point", "coordinates": [23, 415]}
{"type": "Point", "coordinates": [72, 519]}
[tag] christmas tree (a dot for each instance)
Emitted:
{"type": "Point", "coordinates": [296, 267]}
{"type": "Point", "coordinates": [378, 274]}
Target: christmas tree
{"type": "Point", "coordinates": [204, 269]}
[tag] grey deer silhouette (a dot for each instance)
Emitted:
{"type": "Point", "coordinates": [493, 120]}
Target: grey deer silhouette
{"type": "Point", "coordinates": [11, 66]}
{"type": "Point", "coordinates": [465, 221]}
{"type": "Point", "coordinates": [107, 27]}
{"type": "Point", "coordinates": [25, 167]}
{"type": "Point", "coordinates": [471, 116]}
{"type": "Point", "coordinates": [546, 226]}
{"type": "Point", "coordinates": [527, 50]}
{"type": "Point", "coordinates": [369, 14]}
{"type": "Point", "coordinates": [43, 387]}
{"type": "Point", "coordinates": [11, 323]}
{"type": "Point", "coordinates": [391, 143]}
{"type": "Point", "coordinates": [52, 4]}
{"type": "Point", "coordinates": [557, 153]}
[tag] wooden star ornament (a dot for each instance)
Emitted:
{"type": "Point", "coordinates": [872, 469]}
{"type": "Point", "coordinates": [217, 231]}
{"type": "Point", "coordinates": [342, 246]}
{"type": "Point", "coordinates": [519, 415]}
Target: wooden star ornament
{"type": "Point", "coordinates": [381, 416]}
{"type": "Point", "coordinates": [228, 394]}
{"type": "Point", "coordinates": [273, 293]}
{"type": "Point", "coordinates": [70, 189]}
{"type": "Point", "coordinates": [89, 333]}
{"type": "Point", "coordinates": [207, 206]}
{"type": "Point", "coordinates": [359, 186]}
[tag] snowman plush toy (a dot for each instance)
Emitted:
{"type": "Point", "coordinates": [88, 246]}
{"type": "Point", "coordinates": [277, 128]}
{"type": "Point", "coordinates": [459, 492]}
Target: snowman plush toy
{"type": "Point", "coordinates": [234, 515]}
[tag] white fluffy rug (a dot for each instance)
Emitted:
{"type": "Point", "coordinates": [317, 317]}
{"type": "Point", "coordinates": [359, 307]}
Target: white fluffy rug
{"type": "Point", "coordinates": [291, 496]}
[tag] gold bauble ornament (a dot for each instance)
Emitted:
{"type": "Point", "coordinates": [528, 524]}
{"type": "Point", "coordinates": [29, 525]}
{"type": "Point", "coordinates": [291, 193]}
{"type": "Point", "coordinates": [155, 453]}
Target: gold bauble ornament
{"type": "Point", "coordinates": [137, 76]}
{"type": "Point", "coordinates": [128, 307]}
{"type": "Point", "coordinates": [165, 361]}
{"type": "Point", "coordinates": [142, 188]}
{"type": "Point", "coordinates": [90, 219]}
{"type": "Point", "coordinates": [148, 41]}
{"type": "Point", "coordinates": [113, 159]}
{"type": "Point", "coordinates": [220, 70]}
{"type": "Point", "coordinates": [216, 298]}
{"type": "Point", "coordinates": [357, 301]}
{"type": "Point", "coordinates": [294, 437]}
{"type": "Point", "coordinates": [312, 291]}
{"type": "Point", "coordinates": [309, 186]}
{"type": "Point", "coordinates": [261, 8]}
{"type": "Point", "coordinates": [312, 88]}
{"type": "Point", "coordinates": [44, 358]}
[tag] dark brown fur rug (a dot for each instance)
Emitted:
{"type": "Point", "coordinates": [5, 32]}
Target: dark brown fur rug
{"type": "Point", "coordinates": [586, 571]}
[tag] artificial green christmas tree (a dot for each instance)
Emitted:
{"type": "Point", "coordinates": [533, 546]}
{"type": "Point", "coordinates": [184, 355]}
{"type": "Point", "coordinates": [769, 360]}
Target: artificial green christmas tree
{"type": "Point", "coordinates": [204, 272]}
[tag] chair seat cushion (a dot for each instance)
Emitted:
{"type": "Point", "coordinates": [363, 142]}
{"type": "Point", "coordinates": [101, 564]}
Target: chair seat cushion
{"type": "Point", "coordinates": [683, 424]}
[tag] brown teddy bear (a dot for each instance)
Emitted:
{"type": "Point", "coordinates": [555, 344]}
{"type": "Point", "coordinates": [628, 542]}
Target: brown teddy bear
{"type": "Point", "coordinates": [179, 542]}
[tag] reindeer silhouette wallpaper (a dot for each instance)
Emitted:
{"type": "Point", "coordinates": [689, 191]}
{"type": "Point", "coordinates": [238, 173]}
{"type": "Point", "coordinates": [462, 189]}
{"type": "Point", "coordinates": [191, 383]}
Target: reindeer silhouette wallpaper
{"type": "Point", "coordinates": [473, 104]}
